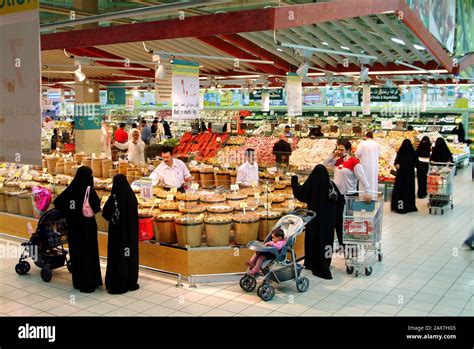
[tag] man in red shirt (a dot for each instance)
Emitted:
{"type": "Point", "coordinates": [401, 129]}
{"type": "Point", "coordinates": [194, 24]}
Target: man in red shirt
{"type": "Point", "coordinates": [120, 136]}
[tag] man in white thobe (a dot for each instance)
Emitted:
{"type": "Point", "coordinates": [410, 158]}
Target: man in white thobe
{"type": "Point", "coordinates": [368, 153]}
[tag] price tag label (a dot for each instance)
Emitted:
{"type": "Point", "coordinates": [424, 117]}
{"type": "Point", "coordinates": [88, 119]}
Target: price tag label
{"type": "Point", "coordinates": [29, 177]}
{"type": "Point", "coordinates": [291, 204]}
{"type": "Point", "coordinates": [194, 163]}
{"type": "Point", "coordinates": [195, 186]}
{"type": "Point", "coordinates": [243, 205]}
{"type": "Point", "coordinates": [290, 140]}
{"type": "Point", "coordinates": [170, 197]}
{"type": "Point", "coordinates": [182, 205]}
{"type": "Point", "coordinates": [354, 113]}
{"type": "Point", "coordinates": [272, 169]}
{"type": "Point", "coordinates": [218, 139]}
{"type": "Point", "coordinates": [17, 174]}
{"type": "Point", "coordinates": [326, 113]}
{"type": "Point", "coordinates": [234, 187]}
{"type": "Point", "coordinates": [26, 167]}
{"type": "Point", "coordinates": [226, 165]}
{"type": "Point", "coordinates": [173, 190]}
{"type": "Point", "coordinates": [267, 206]}
{"type": "Point", "coordinates": [256, 196]}
{"type": "Point", "coordinates": [69, 180]}
{"type": "Point", "coordinates": [22, 185]}
{"type": "Point", "coordinates": [51, 180]}
{"type": "Point", "coordinates": [45, 170]}
{"type": "Point", "coordinates": [254, 184]}
{"type": "Point", "coordinates": [277, 179]}
{"type": "Point", "coordinates": [93, 155]}
{"type": "Point", "coordinates": [1, 185]}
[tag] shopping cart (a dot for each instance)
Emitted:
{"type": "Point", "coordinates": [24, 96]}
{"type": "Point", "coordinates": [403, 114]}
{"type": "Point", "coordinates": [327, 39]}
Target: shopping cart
{"type": "Point", "coordinates": [440, 186]}
{"type": "Point", "coordinates": [362, 232]}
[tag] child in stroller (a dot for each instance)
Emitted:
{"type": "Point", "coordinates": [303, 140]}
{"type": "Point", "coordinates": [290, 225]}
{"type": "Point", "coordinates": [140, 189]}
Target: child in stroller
{"type": "Point", "coordinates": [277, 241]}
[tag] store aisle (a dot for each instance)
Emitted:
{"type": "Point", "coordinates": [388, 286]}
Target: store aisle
{"type": "Point", "coordinates": [425, 272]}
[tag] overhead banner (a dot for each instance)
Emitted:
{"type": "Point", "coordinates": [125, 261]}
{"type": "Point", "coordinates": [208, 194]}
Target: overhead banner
{"type": "Point", "coordinates": [163, 87]}
{"type": "Point", "coordinates": [266, 101]}
{"type": "Point", "coordinates": [185, 90]}
{"type": "Point", "coordinates": [439, 17]}
{"type": "Point", "coordinates": [20, 82]}
{"type": "Point", "coordinates": [294, 90]}
{"type": "Point", "coordinates": [129, 103]}
{"type": "Point", "coordinates": [465, 27]}
{"type": "Point", "coordinates": [366, 100]}
{"type": "Point", "coordinates": [116, 94]}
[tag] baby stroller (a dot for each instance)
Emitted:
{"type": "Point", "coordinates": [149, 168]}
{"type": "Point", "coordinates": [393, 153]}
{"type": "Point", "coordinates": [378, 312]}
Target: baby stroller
{"type": "Point", "coordinates": [46, 246]}
{"type": "Point", "coordinates": [280, 267]}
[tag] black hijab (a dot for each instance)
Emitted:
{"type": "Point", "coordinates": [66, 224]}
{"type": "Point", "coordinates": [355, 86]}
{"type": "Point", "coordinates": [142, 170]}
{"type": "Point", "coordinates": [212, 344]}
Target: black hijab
{"type": "Point", "coordinates": [124, 194]}
{"type": "Point", "coordinates": [315, 190]}
{"type": "Point", "coordinates": [406, 155]}
{"type": "Point", "coordinates": [441, 152]}
{"type": "Point", "coordinates": [424, 148]}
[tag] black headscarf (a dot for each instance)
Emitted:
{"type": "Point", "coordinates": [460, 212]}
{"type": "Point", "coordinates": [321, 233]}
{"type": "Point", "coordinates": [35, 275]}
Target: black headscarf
{"type": "Point", "coordinates": [124, 195]}
{"type": "Point", "coordinates": [441, 152]}
{"type": "Point", "coordinates": [315, 190]}
{"type": "Point", "coordinates": [424, 148]}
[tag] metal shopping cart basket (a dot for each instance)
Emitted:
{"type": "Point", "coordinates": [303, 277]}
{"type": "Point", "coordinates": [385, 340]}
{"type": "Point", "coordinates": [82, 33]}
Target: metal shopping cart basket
{"type": "Point", "coordinates": [362, 232]}
{"type": "Point", "coordinates": [440, 186]}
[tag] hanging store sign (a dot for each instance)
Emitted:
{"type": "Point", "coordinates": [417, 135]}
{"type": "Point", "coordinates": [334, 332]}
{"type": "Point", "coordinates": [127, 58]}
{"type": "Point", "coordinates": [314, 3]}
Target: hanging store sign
{"type": "Point", "coordinates": [129, 103]}
{"type": "Point", "coordinates": [226, 99]}
{"type": "Point", "coordinates": [383, 94]}
{"type": "Point", "coordinates": [20, 81]}
{"type": "Point", "coordinates": [185, 90]}
{"type": "Point", "coordinates": [266, 101]}
{"type": "Point", "coordinates": [366, 100]}
{"type": "Point", "coordinates": [423, 99]}
{"type": "Point", "coordinates": [164, 86]}
{"type": "Point", "coordinates": [275, 94]}
{"type": "Point", "coordinates": [116, 94]}
{"type": "Point", "coordinates": [294, 90]}
{"type": "Point", "coordinates": [87, 116]}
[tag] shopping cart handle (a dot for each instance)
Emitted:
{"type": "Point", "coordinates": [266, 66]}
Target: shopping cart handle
{"type": "Point", "coordinates": [306, 215]}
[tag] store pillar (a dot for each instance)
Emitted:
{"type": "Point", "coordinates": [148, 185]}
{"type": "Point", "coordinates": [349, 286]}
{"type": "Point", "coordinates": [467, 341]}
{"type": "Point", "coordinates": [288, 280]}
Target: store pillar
{"type": "Point", "coordinates": [87, 118]}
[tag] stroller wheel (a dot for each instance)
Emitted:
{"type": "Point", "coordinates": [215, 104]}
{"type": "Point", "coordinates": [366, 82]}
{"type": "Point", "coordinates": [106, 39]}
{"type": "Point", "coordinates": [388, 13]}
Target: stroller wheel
{"type": "Point", "coordinates": [349, 270]}
{"type": "Point", "coordinates": [266, 292]}
{"type": "Point", "coordinates": [368, 271]}
{"type": "Point", "coordinates": [22, 268]}
{"type": "Point", "coordinates": [248, 283]}
{"type": "Point", "coordinates": [302, 284]}
{"type": "Point", "coordinates": [46, 274]}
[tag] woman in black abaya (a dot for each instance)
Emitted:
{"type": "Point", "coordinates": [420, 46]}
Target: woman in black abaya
{"type": "Point", "coordinates": [82, 231]}
{"type": "Point", "coordinates": [121, 210]}
{"type": "Point", "coordinates": [423, 151]}
{"type": "Point", "coordinates": [441, 152]}
{"type": "Point", "coordinates": [403, 195]}
{"type": "Point", "coordinates": [319, 235]}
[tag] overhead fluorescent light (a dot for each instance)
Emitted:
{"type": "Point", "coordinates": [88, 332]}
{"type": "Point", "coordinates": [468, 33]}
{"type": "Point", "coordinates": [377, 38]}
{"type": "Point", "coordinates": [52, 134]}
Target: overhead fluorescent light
{"type": "Point", "coordinates": [345, 48]}
{"type": "Point", "coordinates": [419, 47]}
{"type": "Point", "coordinates": [279, 49]}
{"type": "Point", "coordinates": [160, 72]}
{"type": "Point", "coordinates": [398, 41]}
{"type": "Point", "coordinates": [325, 43]}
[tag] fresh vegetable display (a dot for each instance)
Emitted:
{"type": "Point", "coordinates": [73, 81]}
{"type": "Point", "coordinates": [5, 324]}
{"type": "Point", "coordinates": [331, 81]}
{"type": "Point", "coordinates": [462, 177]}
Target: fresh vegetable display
{"type": "Point", "coordinates": [204, 143]}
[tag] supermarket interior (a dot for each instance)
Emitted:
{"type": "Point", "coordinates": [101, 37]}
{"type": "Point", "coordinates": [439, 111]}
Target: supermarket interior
{"type": "Point", "coordinates": [237, 158]}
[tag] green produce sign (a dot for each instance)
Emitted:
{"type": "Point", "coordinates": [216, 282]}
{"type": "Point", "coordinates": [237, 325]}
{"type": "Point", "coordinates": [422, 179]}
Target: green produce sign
{"type": "Point", "coordinates": [383, 94]}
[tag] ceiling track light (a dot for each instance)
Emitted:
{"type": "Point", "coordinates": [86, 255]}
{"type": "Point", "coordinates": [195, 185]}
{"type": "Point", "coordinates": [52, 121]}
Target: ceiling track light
{"type": "Point", "coordinates": [224, 58]}
{"type": "Point", "coordinates": [80, 76]}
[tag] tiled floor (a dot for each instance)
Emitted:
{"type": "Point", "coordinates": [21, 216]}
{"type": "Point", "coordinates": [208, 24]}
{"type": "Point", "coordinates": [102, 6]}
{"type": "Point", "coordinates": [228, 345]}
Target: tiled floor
{"type": "Point", "coordinates": [425, 272]}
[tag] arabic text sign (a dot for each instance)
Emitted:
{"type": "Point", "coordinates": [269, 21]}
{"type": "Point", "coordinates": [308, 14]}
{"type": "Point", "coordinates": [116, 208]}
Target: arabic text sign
{"type": "Point", "coordinates": [384, 94]}
{"type": "Point", "coordinates": [185, 90]}
{"type": "Point", "coordinates": [20, 79]}
{"type": "Point", "coordinates": [87, 116]}
{"type": "Point", "coordinates": [275, 94]}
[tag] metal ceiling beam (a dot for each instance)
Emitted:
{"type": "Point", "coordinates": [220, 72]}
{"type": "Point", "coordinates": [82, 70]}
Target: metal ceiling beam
{"type": "Point", "coordinates": [294, 39]}
{"type": "Point", "coordinates": [374, 41]}
{"type": "Point", "coordinates": [257, 51]}
{"type": "Point", "coordinates": [321, 36]}
{"type": "Point", "coordinates": [413, 22]}
{"type": "Point", "coordinates": [360, 41]}
{"type": "Point", "coordinates": [238, 53]}
{"type": "Point", "coordinates": [132, 13]}
{"type": "Point", "coordinates": [310, 40]}
{"type": "Point", "coordinates": [400, 35]}
{"type": "Point", "coordinates": [388, 40]}
{"type": "Point", "coordinates": [95, 52]}
{"type": "Point", "coordinates": [266, 41]}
